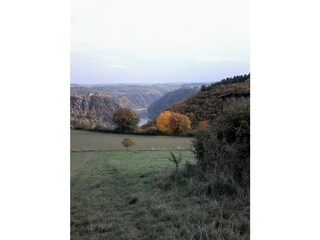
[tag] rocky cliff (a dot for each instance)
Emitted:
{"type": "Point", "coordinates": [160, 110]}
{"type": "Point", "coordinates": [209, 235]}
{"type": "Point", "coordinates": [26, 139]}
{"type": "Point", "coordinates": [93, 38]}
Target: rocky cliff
{"type": "Point", "coordinates": [92, 110]}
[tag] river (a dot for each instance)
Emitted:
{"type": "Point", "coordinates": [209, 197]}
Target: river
{"type": "Point", "coordinates": [143, 115]}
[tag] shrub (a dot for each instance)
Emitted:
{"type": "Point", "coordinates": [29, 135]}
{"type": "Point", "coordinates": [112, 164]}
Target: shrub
{"type": "Point", "coordinates": [127, 142]}
{"type": "Point", "coordinates": [224, 147]}
{"type": "Point", "coordinates": [150, 131]}
{"type": "Point", "coordinates": [202, 125]}
{"type": "Point", "coordinates": [175, 160]}
{"type": "Point", "coordinates": [82, 124]}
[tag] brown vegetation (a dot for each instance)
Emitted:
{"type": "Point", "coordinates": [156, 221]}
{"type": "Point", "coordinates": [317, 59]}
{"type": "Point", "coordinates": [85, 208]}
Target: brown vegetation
{"type": "Point", "coordinates": [206, 105]}
{"type": "Point", "coordinates": [172, 123]}
{"type": "Point", "coordinates": [125, 120]}
{"type": "Point", "coordinates": [223, 149]}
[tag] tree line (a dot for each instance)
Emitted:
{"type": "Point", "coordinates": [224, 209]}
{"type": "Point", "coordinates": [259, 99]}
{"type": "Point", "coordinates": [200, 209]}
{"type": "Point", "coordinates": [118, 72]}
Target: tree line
{"type": "Point", "coordinates": [235, 79]}
{"type": "Point", "coordinates": [167, 123]}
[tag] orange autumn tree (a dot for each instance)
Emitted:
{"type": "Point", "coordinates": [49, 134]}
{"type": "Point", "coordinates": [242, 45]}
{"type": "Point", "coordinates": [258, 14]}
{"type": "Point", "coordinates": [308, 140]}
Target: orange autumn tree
{"type": "Point", "coordinates": [172, 123]}
{"type": "Point", "coordinates": [163, 122]}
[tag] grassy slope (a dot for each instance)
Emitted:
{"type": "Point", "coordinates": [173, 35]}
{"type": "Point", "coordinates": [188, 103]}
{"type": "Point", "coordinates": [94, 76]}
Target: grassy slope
{"type": "Point", "coordinates": [128, 195]}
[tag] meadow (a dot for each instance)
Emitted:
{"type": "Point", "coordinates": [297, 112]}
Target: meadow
{"type": "Point", "coordinates": [89, 140]}
{"type": "Point", "coordinates": [119, 194]}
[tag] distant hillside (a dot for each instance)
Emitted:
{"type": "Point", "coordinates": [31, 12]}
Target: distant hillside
{"type": "Point", "coordinates": [206, 104]}
{"type": "Point", "coordinates": [130, 96]}
{"type": "Point", "coordinates": [92, 110]}
{"type": "Point", "coordinates": [168, 99]}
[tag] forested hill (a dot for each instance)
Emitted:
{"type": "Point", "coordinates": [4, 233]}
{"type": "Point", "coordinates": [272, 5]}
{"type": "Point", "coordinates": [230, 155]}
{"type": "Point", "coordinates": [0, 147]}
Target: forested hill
{"type": "Point", "coordinates": [235, 79]}
{"type": "Point", "coordinates": [168, 99]}
{"type": "Point", "coordinates": [92, 110]}
{"type": "Point", "coordinates": [206, 104]}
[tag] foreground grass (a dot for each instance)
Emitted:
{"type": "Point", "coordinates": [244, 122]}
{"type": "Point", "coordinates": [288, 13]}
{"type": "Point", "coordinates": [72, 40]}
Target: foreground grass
{"type": "Point", "coordinates": [131, 195]}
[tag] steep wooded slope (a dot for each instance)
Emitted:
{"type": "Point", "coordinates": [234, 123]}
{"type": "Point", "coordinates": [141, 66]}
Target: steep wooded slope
{"type": "Point", "coordinates": [168, 99]}
{"type": "Point", "coordinates": [206, 104]}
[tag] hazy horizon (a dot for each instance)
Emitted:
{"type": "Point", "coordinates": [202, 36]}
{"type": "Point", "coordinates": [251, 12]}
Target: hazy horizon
{"type": "Point", "coordinates": [150, 83]}
{"type": "Point", "coordinates": [154, 42]}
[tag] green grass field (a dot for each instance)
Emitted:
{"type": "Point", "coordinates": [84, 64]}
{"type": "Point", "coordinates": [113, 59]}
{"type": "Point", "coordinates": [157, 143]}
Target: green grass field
{"type": "Point", "coordinates": [87, 140]}
{"type": "Point", "coordinates": [134, 195]}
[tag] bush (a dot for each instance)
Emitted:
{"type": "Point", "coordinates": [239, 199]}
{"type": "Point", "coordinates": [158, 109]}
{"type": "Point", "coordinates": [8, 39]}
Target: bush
{"type": "Point", "coordinates": [224, 147]}
{"type": "Point", "coordinates": [127, 142]}
{"type": "Point", "coordinates": [150, 131]}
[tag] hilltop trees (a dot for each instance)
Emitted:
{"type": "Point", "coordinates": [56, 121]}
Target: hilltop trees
{"type": "Point", "coordinates": [230, 80]}
{"type": "Point", "coordinates": [172, 123]}
{"type": "Point", "coordinates": [125, 120]}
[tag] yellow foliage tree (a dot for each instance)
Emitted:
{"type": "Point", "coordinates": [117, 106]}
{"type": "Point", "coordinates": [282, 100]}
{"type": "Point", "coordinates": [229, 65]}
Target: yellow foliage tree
{"type": "Point", "coordinates": [163, 122]}
{"type": "Point", "coordinates": [172, 123]}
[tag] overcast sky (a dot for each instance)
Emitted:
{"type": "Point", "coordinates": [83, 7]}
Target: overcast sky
{"type": "Point", "coordinates": [145, 41]}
